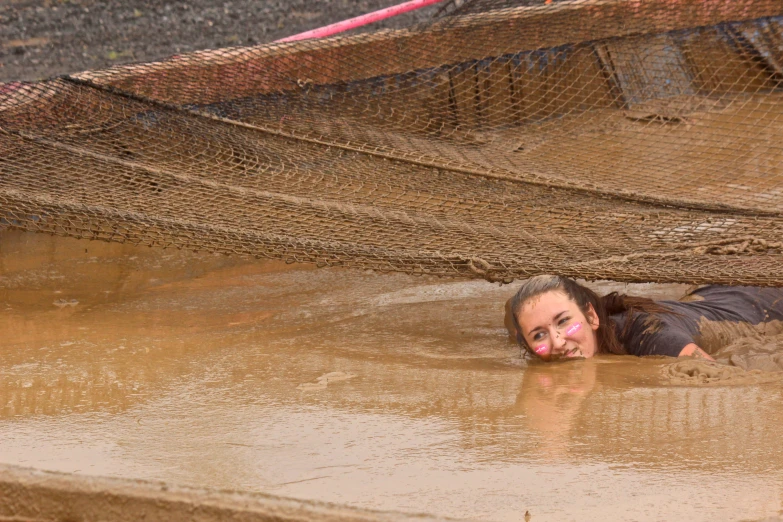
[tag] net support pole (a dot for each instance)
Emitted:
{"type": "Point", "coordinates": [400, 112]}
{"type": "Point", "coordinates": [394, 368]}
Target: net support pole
{"type": "Point", "coordinates": [365, 19]}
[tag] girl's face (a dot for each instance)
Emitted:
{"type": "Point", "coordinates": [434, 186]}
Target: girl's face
{"type": "Point", "coordinates": [555, 328]}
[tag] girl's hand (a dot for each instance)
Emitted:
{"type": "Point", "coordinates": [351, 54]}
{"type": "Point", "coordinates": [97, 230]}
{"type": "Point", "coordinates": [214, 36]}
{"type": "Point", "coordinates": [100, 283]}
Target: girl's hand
{"type": "Point", "coordinates": [691, 350]}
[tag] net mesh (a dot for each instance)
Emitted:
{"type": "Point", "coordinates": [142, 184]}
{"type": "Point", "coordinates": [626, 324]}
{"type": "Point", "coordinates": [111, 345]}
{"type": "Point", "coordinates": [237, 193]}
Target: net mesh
{"type": "Point", "coordinates": [628, 140]}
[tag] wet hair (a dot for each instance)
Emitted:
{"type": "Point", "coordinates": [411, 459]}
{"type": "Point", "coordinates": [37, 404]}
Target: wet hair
{"type": "Point", "coordinates": [608, 339]}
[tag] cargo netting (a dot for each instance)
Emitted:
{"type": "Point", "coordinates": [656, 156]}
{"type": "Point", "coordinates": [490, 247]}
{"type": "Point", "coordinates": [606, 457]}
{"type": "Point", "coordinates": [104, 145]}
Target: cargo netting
{"type": "Point", "coordinates": [629, 140]}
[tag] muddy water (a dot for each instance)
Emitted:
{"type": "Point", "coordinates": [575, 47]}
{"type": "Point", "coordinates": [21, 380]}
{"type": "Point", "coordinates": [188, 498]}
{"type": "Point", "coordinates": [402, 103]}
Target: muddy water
{"type": "Point", "coordinates": [383, 391]}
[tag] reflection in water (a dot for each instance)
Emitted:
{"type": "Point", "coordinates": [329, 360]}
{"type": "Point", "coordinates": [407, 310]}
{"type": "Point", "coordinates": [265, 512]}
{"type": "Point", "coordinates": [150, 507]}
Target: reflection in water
{"type": "Point", "coordinates": [623, 410]}
{"type": "Point", "coordinates": [382, 391]}
{"type": "Point", "coordinates": [551, 398]}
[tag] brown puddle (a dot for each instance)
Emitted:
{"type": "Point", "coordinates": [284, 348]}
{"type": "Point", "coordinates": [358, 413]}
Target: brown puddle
{"type": "Point", "coordinates": [381, 391]}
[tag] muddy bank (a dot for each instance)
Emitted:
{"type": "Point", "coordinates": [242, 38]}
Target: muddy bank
{"type": "Point", "coordinates": [39, 496]}
{"type": "Point", "coordinates": [387, 392]}
{"type": "Point", "coordinates": [690, 372]}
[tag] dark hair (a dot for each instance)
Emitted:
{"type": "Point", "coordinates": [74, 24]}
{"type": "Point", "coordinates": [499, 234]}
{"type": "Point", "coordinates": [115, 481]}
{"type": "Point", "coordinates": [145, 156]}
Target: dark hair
{"type": "Point", "coordinates": [610, 304]}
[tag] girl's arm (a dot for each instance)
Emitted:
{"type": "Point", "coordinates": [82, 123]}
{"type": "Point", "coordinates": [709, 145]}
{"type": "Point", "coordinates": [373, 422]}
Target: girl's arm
{"type": "Point", "coordinates": [691, 350]}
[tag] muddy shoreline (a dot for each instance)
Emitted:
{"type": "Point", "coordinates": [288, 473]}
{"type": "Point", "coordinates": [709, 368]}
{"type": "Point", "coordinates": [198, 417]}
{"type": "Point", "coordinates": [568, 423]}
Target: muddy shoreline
{"type": "Point", "coordinates": [40, 496]}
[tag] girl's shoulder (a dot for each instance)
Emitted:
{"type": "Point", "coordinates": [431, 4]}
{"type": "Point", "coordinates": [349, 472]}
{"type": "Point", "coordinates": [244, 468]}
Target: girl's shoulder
{"type": "Point", "coordinates": [643, 333]}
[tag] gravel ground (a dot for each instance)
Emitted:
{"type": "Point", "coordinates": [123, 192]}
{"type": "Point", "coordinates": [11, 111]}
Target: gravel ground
{"type": "Point", "coordinates": [44, 38]}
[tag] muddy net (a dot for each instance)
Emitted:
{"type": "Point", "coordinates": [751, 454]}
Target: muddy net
{"type": "Point", "coordinates": [635, 141]}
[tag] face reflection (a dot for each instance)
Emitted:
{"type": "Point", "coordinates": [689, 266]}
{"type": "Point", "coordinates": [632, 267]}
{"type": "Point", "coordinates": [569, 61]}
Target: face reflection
{"type": "Point", "coordinates": [555, 328]}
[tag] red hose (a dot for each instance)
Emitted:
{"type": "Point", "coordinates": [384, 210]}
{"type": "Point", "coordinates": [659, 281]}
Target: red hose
{"type": "Point", "coordinates": [359, 21]}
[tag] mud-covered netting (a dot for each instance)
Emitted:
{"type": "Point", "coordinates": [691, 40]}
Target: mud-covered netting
{"type": "Point", "coordinates": [637, 141]}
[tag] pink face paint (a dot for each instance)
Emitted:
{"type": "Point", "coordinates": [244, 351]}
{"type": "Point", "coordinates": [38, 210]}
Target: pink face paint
{"type": "Point", "coordinates": [573, 329]}
{"type": "Point", "coordinates": [541, 350]}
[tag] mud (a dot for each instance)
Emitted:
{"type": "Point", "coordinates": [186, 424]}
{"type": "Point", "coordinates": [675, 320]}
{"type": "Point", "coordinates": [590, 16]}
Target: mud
{"type": "Point", "coordinates": [698, 372]}
{"type": "Point", "coordinates": [35, 496]}
{"type": "Point", "coordinates": [582, 140]}
{"type": "Point", "coordinates": [375, 391]}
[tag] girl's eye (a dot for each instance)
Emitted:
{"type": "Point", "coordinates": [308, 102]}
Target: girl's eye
{"type": "Point", "coordinates": [538, 336]}
{"type": "Point", "coordinates": [563, 321]}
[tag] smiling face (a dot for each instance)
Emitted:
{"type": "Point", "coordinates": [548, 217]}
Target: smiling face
{"type": "Point", "coordinates": [554, 327]}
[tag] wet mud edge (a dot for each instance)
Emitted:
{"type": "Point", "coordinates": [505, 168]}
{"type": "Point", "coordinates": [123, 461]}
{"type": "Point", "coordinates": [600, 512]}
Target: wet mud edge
{"type": "Point", "coordinates": [33, 495]}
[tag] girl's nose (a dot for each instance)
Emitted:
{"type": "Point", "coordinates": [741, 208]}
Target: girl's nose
{"type": "Point", "coordinates": [558, 342]}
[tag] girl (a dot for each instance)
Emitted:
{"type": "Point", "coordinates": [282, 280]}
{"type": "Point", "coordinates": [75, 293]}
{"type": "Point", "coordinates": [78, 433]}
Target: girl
{"type": "Point", "coordinates": [554, 317]}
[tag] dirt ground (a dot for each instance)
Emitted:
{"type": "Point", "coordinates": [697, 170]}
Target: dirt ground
{"type": "Point", "coordinates": [44, 38]}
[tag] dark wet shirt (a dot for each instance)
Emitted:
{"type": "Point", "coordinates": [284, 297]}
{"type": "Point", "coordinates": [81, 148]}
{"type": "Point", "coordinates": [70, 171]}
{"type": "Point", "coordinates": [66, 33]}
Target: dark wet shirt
{"type": "Point", "coordinates": [668, 334]}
